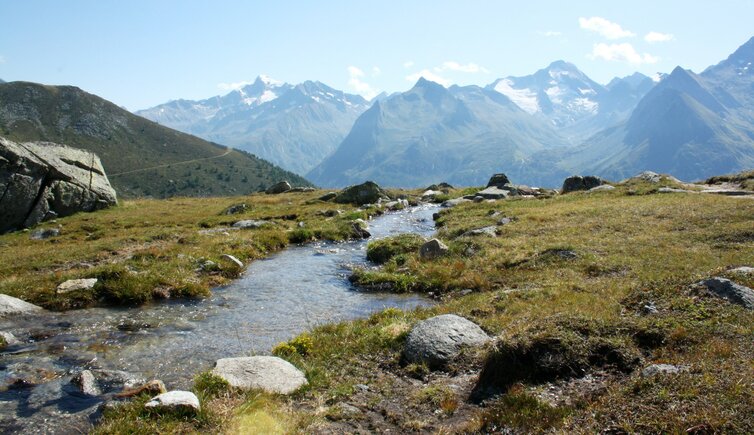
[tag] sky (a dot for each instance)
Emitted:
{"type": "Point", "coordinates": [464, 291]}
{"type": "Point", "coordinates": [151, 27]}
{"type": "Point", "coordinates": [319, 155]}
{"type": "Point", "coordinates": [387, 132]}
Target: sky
{"type": "Point", "coordinates": [138, 53]}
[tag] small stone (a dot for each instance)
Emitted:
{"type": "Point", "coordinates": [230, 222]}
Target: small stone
{"type": "Point", "coordinates": [10, 339]}
{"type": "Point", "coordinates": [504, 221]}
{"type": "Point", "coordinates": [76, 284]}
{"type": "Point", "coordinates": [301, 224]}
{"type": "Point", "coordinates": [44, 233]}
{"type": "Point", "coordinates": [433, 249]}
{"type": "Point", "coordinates": [656, 369]}
{"type": "Point", "coordinates": [485, 231]}
{"type": "Point", "coordinates": [250, 224]}
{"type": "Point", "coordinates": [232, 260]}
{"type": "Point", "coordinates": [454, 202]}
{"type": "Point", "coordinates": [153, 388]}
{"type": "Point", "coordinates": [603, 188]}
{"type": "Point", "coordinates": [361, 387]}
{"type": "Point", "coordinates": [175, 401]}
{"type": "Point", "coordinates": [236, 209]}
{"type": "Point", "coordinates": [86, 383]}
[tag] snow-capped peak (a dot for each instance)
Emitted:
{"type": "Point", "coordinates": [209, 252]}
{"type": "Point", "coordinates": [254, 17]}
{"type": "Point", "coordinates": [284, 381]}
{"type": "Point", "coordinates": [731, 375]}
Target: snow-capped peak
{"type": "Point", "coordinates": [269, 81]}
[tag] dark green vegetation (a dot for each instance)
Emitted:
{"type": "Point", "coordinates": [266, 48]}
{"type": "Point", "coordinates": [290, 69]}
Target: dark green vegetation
{"type": "Point", "coordinates": [581, 291]}
{"type": "Point", "coordinates": [140, 157]}
{"type": "Point", "coordinates": [380, 251]}
{"type": "Point", "coordinates": [151, 249]}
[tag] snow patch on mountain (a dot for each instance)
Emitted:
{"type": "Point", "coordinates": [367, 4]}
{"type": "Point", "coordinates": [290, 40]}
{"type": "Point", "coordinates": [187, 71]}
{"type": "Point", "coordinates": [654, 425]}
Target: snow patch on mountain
{"type": "Point", "coordinates": [525, 98]}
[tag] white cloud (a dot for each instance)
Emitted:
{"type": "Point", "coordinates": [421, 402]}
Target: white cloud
{"type": "Point", "coordinates": [358, 85]}
{"type": "Point", "coordinates": [604, 27]}
{"type": "Point", "coordinates": [653, 37]}
{"type": "Point", "coordinates": [233, 86]}
{"type": "Point", "coordinates": [455, 66]}
{"type": "Point", "coordinates": [376, 71]}
{"type": "Point", "coordinates": [551, 34]}
{"type": "Point", "coordinates": [624, 52]}
{"type": "Point", "coordinates": [408, 64]}
{"type": "Point", "coordinates": [429, 75]}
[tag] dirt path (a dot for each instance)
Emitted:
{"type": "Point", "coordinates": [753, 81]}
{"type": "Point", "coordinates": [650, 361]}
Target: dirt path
{"type": "Point", "coordinates": [227, 151]}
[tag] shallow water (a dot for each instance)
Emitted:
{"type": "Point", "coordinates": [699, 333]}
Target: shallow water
{"type": "Point", "coordinates": [276, 299]}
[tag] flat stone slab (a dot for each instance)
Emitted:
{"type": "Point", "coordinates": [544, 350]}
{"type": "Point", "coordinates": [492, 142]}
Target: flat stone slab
{"type": "Point", "coordinates": [10, 306]}
{"type": "Point", "coordinates": [665, 369]}
{"type": "Point", "coordinates": [181, 401]}
{"type": "Point", "coordinates": [493, 192]}
{"type": "Point", "coordinates": [438, 340]}
{"type": "Point", "coordinates": [232, 259]}
{"type": "Point", "coordinates": [250, 224]}
{"type": "Point", "coordinates": [743, 270]}
{"type": "Point", "coordinates": [485, 231]}
{"type": "Point", "coordinates": [602, 188]}
{"type": "Point", "coordinates": [76, 284]}
{"type": "Point", "coordinates": [454, 202]}
{"type": "Point", "coordinates": [268, 373]}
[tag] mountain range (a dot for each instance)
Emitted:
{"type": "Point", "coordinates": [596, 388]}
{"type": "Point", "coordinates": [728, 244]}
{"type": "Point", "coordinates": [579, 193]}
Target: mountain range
{"type": "Point", "coordinates": [538, 128]}
{"type": "Point", "coordinates": [140, 157]}
{"type": "Point", "coordinates": [294, 126]}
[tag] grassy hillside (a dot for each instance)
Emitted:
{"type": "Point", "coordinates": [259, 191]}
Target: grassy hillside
{"type": "Point", "coordinates": [141, 157]}
{"type": "Point", "coordinates": [582, 291]}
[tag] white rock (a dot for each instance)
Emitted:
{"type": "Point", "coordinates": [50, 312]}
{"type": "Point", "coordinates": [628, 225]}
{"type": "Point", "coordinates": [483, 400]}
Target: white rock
{"type": "Point", "coordinates": [9, 338]}
{"type": "Point", "coordinates": [76, 284]}
{"type": "Point", "coordinates": [232, 259]}
{"type": "Point", "coordinates": [438, 340]}
{"type": "Point", "coordinates": [184, 401]}
{"type": "Point", "coordinates": [10, 305]}
{"type": "Point", "coordinates": [268, 373]}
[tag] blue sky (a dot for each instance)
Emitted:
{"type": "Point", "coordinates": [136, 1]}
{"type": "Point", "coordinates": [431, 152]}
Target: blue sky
{"type": "Point", "coordinates": [142, 53]}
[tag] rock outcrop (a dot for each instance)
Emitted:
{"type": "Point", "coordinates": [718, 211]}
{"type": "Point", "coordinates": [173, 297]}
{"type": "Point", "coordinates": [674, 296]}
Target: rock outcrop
{"type": "Point", "coordinates": [577, 182]}
{"type": "Point", "coordinates": [498, 180]}
{"type": "Point", "coordinates": [438, 340]}
{"type": "Point", "coordinates": [360, 194]}
{"type": "Point", "coordinates": [43, 180]}
{"type": "Point", "coordinates": [268, 373]}
{"type": "Point", "coordinates": [280, 187]}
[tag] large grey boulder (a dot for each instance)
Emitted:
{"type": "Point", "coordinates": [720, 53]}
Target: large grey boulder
{"type": "Point", "coordinates": [175, 401]}
{"type": "Point", "coordinates": [438, 340]}
{"type": "Point", "coordinates": [360, 194]}
{"type": "Point", "coordinates": [42, 180]}
{"type": "Point", "coordinates": [280, 187]}
{"type": "Point", "coordinates": [577, 182]}
{"type": "Point", "coordinates": [250, 224]}
{"type": "Point", "coordinates": [727, 289]}
{"type": "Point", "coordinates": [268, 373]}
{"type": "Point", "coordinates": [10, 306]}
{"type": "Point", "coordinates": [664, 369]}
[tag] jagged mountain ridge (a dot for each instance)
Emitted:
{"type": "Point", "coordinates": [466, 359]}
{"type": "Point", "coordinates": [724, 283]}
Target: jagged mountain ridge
{"type": "Point", "coordinates": [429, 133]}
{"type": "Point", "coordinates": [294, 126]}
{"type": "Point", "coordinates": [690, 125]}
{"type": "Point", "coordinates": [576, 105]}
{"type": "Point", "coordinates": [176, 163]}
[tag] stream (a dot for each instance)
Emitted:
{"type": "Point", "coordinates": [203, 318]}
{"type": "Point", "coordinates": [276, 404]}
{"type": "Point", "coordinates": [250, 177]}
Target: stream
{"type": "Point", "coordinates": [274, 300]}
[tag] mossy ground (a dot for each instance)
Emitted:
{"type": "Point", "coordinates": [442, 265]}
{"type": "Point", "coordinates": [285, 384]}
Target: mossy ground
{"type": "Point", "coordinates": [146, 249]}
{"type": "Point", "coordinates": [588, 287]}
